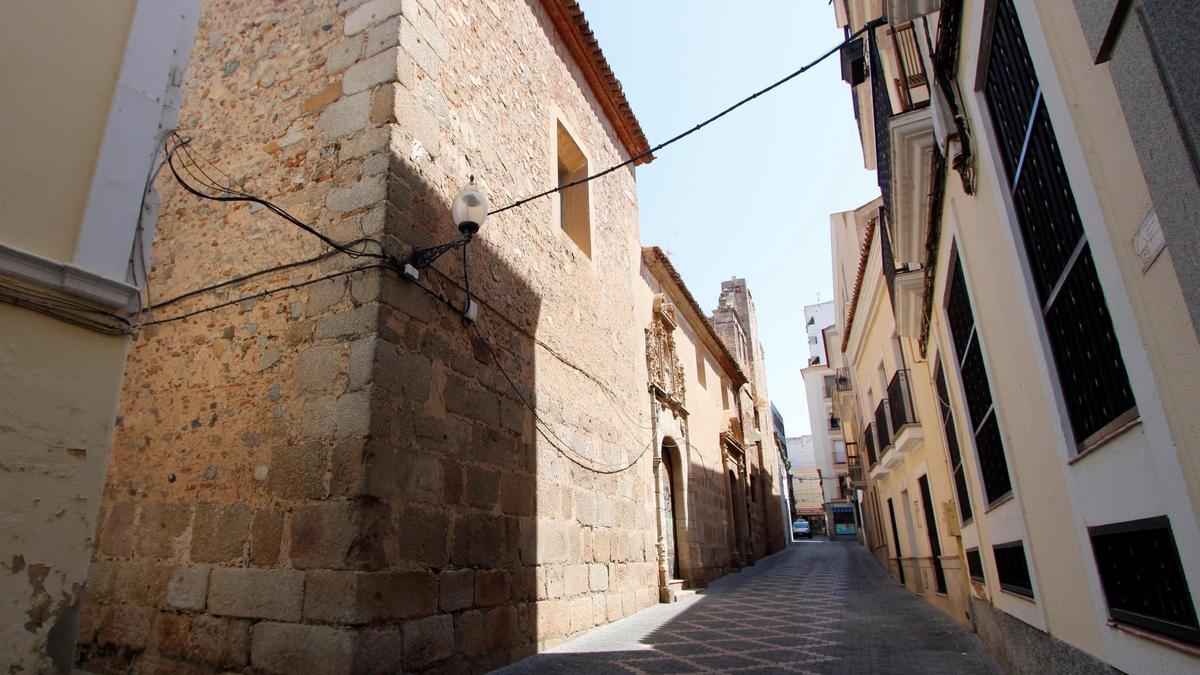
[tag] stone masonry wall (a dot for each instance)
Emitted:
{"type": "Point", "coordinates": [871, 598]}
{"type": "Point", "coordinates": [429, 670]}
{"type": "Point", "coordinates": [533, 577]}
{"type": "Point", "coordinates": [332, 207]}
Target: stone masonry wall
{"type": "Point", "coordinates": [337, 477]}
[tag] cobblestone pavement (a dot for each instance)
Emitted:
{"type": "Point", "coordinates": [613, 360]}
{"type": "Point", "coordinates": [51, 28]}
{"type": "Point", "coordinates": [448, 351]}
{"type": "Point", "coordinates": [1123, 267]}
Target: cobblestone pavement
{"type": "Point", "coordinates": [818, 607]}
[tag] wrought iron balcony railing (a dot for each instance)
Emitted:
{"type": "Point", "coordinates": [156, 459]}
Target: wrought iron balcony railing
{"type": "Point", "coordinates": [900, 403]}
{"type": "Point", "coordinates": [869, 442]}
{"type": "Point", "coordinates": [883, 425]}
{"type": "Point", "coordinates": [843, 379]}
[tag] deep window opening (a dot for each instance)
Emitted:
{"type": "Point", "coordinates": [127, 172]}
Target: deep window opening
{"type": "Point", "coordinates": [574, 211]}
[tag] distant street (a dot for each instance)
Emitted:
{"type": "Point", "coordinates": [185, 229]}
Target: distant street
{"type": "Point", "coordinates": [818, 607]}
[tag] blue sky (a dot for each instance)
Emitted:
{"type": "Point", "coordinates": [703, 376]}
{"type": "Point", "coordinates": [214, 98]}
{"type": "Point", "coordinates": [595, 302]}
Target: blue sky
{"type": "Point", "coordinates": [751, 194]}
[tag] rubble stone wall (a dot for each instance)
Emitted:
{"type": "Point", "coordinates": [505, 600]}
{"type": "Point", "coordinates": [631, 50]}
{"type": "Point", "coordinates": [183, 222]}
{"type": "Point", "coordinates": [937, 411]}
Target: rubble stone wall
{"type": "Point", "coordinates": [336, 477]}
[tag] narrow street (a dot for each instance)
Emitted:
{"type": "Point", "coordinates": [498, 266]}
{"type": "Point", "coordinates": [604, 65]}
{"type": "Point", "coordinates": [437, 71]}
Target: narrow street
{"type": "Point", "coordinates": [817, 607]}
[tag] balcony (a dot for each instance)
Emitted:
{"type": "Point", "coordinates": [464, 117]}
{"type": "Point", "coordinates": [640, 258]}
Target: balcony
{"type": "Point", "coordinates": [883, 425]}
{"type": "Point", "coordinates": [911, 80]}
{"type": "Point", "coordinates": [906, 430]}
{"type": "Point", "coordinates": [855, 470]}
{"type": "Point", "coordinates": [843, 379]}
{"type": "Point", "coordinates": [835, 423]}
{"type": "Point", "coordinates": [868, 435]}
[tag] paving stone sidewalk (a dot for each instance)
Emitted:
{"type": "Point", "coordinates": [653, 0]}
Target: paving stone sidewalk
{"type": "Point", "coordinates": [817, 607]}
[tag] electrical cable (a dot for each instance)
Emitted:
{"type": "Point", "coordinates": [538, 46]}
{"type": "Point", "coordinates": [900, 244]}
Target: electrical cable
{"type": "Point", "coordinates": [272, 291]}
{"type": "Point", "coordinates": [252, 275]}
{"type": "Point", "coordinates": [678, 137]}
{"type": "Point", "coordinates": [231, 195]}
{"type": "Point", "coordinates": [539, 423]}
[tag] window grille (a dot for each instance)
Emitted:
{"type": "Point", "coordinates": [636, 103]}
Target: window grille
{"type": "Point", "coordinates": [989, 447]}
{"type": "Point", "coordinates": [1087, 357]}
{"type": "Point", "coordinates": [975, 564]}
{"type": "Point", "coordinates": [956, 465]}
{"type": "Point", "coordinates": [881, 111]}
{"type": "Point", "coordinates": [1143, 579]}
{"type": "Point", "coordinates": [887, 258]}
{"type": "Point", "coordinates": [1012, 569]}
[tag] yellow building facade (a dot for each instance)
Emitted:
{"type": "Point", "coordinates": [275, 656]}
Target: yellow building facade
{"type": "Point", "coordinates": [1052, 354]}
{"type": "Point", "coordinates": [85, 119]}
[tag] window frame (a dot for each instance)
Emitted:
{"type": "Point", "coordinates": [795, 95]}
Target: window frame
{"type": "Point", "coordinates": [560, 122]}
{"type": "Point", "coordinates": [1156, 625]}
{"type": "Point", "coordinates": [1121, 421]}
{"type": "Point", "coordinates": [1013, 589]}
{"type": "Point", "coordinates": [993, 413]}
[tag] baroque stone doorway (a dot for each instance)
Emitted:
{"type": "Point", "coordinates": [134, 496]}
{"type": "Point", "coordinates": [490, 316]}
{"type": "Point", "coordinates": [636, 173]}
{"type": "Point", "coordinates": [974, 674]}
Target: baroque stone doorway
{"type": "Point", "coordinates": [671, 488]}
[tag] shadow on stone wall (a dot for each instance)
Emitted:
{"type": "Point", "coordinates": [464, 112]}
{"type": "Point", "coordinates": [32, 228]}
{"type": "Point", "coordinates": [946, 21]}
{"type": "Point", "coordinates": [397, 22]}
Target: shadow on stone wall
{"type": "Point", "coordinates": [452, 455]}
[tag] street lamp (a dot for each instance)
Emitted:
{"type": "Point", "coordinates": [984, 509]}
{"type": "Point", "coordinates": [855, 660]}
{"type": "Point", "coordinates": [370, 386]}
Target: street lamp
{"type": "Point", "coordinates": [469, 210]}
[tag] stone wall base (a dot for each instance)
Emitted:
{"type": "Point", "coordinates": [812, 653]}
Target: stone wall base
{"type": "Point", "coordinates": [1021, 648]}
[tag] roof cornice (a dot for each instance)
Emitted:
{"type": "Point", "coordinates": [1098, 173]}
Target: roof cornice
{"type": "Point", "coordinates": [660, 266]}
{"type": "Point", "coordinates": [573, 28]}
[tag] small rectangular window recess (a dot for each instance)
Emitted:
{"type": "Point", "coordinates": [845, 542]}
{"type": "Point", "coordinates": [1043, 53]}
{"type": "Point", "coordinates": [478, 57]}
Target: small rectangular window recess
{"type": "Point", "coordinates": [975, 564]}
{"type": "Point", "coordinates": [574, 210]}
{"type": "Point", "coordinates": [724, 397]}
{"type": "Point", "coordinates": [1012, 569]}
{"type": "Point", "coordinates": [1143, 579]}
{"type": "Point", "coordinates": [701, 370]}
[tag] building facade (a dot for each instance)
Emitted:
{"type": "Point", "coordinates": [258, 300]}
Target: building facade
{"type": "Point", "coordinates": [1020, 270]}
{"type": "Point", "coordinates": [821, 389]}
{"type": "Point", "coordinates": [808, 494]}
{"type": "Point", "coordinates": [84, 123]}
{"type": "Point", "coordinates": [328, 462]}
{"type": "Point", "coordinates": [736, 321]}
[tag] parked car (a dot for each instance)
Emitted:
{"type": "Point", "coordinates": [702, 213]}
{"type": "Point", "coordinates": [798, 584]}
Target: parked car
{"type": "Point", "coordinates": [800, 528]}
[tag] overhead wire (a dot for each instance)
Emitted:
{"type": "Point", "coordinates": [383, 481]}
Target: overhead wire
{"type": "Point", "coordinates": [680, 136]}
{"type": "Point", "coordinates": [228, 193]}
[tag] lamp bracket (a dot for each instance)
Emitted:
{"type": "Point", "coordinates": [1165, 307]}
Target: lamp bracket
{"type": "Point", "coordinates": [422, 258]}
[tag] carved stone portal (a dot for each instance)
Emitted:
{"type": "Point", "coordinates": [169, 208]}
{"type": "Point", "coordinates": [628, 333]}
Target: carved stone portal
{"type": "Point", "coordinates": [666, 373]}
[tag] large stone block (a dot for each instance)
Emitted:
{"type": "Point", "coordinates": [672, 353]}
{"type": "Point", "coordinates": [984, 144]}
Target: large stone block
{"type": "Point", "coordinates": [456, 589]}
{"type": "Point", "coordinates": [576, 579]}
{"type": "Point", "coordinates": [346, 116]}
{"type": "Point", "coordinates": [478, 541]}
{"type": "Point", "coordinates": [298, 471]}
{"type": "Point", "coordinates": [370, 13]}
{"type": "Point", "coordinates": [290, 648]}
{"type": "Point", "coordinates": [219, 532]}
{"type": "Point", "coordinates": [483, 487]}
{"type": "Point", "coordinates": [140, 583]}
{"type": "Point", "coordinates": [390, 65]}
{"type": "Point", "coordinates": [266, 534]}
{"type": "Point", "coordinates": [500, 628]}
{"type": "Point", "coordinates": [364, 597]}
{"type": "Point", "coordinates": [492, 587]}
{"type": "Point", "coordinates": [598, 577]}
{"type": "Point", "coordinates": [317, 368]}
{"type": "Point", "coordinates": [428, 640]}
{"type": "Point", "coordinates": [423, 536]}
{"type": "Point", "coordinates": [339, 535]}
{"type": "Point", "coordinates": [187, 588]}
{"type": "Point", "coordinates": [160, 529]}
{"type": "Point", "coordinates": [117, 532]}
{"type": "Point", "coordinates": [366, 192]}
{"type": "Point", "coordinates": [256, 594]}
{"type": "Point", "coordinates": [220, 642]}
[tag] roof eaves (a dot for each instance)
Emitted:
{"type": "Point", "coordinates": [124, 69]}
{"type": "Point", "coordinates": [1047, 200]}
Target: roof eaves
{"type": "Point", "coordinates": [573, 28]}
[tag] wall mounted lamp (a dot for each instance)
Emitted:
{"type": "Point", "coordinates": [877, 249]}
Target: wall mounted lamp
{"type": "Point", "coordinates": [469, 210]}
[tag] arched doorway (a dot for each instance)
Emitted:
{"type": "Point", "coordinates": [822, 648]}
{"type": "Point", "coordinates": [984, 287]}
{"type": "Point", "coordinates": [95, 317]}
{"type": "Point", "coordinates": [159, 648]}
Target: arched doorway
{"type": "Point", "coordinates": [672, 499]}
